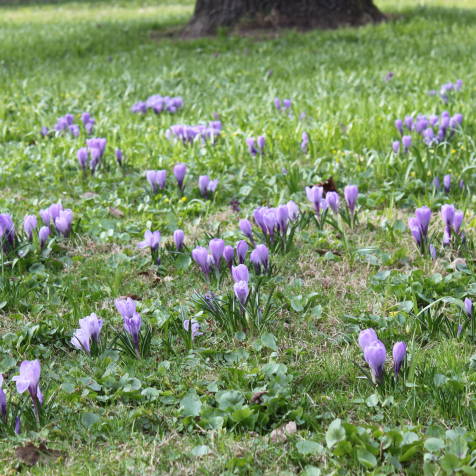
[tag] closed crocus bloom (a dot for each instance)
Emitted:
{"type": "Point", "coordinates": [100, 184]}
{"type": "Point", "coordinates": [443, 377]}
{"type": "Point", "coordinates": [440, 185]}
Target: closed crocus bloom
{"type": "Point", "coordinates": [255, 259]}
{"type": "Point", "coordinates": [7, 228]}
{"type": "Point", "coordinates": [29, 379]}
{"type": "Point", "coordinates": [287, 103]}
{"type": "Point", "coordinates": [408, 121]}
{"type": "Point", "coordinates": [240, 273]}
{"type": "Point", "coordinates": [282, 215]}
{"type": "Point", "coordinates": [423, 215]}
{"type": "Point", "coordinates": [29, 224]}
{"type": "Point", "coordinates": [351, 192]}
{"type": "Point", "coordinates": [203, 182]}
{"type": "Point", "coordinates": [333, 200]}
{"type": "Point", "coordinates": [126, 307]}
{"type": "Point", "coordinates": [180, 171]}
{"type": "Point", "coordinates": [97, 143]}
{"type": "Point", "coordinates": [241, 291]}
{"type": "Point", "coordinates": [43, 235]}
{"type": "Point", "coordinates": [151, 240]}
{"type": "Point", "coordinates": [228, 255]}
{"type": "Point", "coordinates": [92, 324]}
{"type": "Point", "coordinates": [95, 159]}
{"type": "Point", "coordinates": [83, 155]}
{"type": "Point", "coordinates": [399, 125]}
{"type": "Point", "coordinates": [260, 141]}
{"type": "Point", "coordinates": [407, 142]}
{"type": "Point", "coordinates": [293, 210]}
{"type": "Point", "coordinates": [458, 84]}
{"type": "Point", "coordinates": [399, 352]}
{"type": "Point", "coordinates": [270, 219]}
{"type": "Point", "coordinates": [277, 103]}
{"type": "Point", "coordinates": [81, 340]}
{"type": "Point", "coordinates": [447, 183]}
{"type": "Point", "coordinates": [468, 307]}
{"type": "Point", "coordinates": [250, 142]}
{"type": "Point", "coordinates": [200, 256]}
{"type": "Point", "coordinates": [414, 226]}
{"type": "Point", "coordinates": [54, 211]}
{"type": "Point", "coordinates": [44, 131]}
{"type": "Point", "coordinates": [132, 326]}
{"type": "Point", "coordinates": [217, 247]}
{"type": "Point", "coordinates": [195, 330]}
{"type": "Point", "coordinates": [241, 250]}
{"type": "Point", "coordinates": [119, 156]}
{"type": "Point", "coordinates": [153, 179]}
{"type": "Point", "coordinates": [433, 120]}
{"type": "Point", "coordinates": [263, 254]}
{"type": "Point", "coordinates": [74, 129]}
{"type": "Point", "coordinates": [375, 355]}
{"type": "Point", "coordinates": [179, 237]}
{"type": "Point", "coordinates": [447, 214]}
{"type": "Point", "coordinates": [246, 229]}
{"type": "Point", "coordinates": [3, 400]}
{"type": "Point", "coordinates": [432, 252]}
{"type": "Point", "coordinates": [366, 337]}
{"type": "Point", "coordinates": [212, 186]}
{"type": "Point", "coordinates": [457, 221]}
{"type": "Point", "coordinates": [314, 195]}
{"type": "Point", "coordinates": [396, 146]}
{"type": "Point", "coordinates": [64, 221]}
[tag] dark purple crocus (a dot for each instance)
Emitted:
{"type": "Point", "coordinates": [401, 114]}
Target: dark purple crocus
{"type": "Point", "coordinates": [246, 228]}
{"type": "Point", "coordinates": [304, 141]}
{"type": "Point", "coordinates": [29, 224]}
{"type": "Point", "coordinates": [366, 337]}
{"type": "Point", "coordinates": [119, 156]}
{"type": "Point", "coordinates": [468, 307]}
{"type": "Point", "coordinates": [229, 255]}
{"type": "Point", "coordinates": [241, 250]}
{"type": "Point", "coordinates": [447, 183]}
{"type": "Point", "coordinates": [423, 215]}
{"type": "Point", "coordinates": [151, 240]}
{"type": "Point", "coordinates": [200, 256]}
{"type": "Point", "coordinates": [406, 142]}
{"type": "Point", "coordinates": [241, 291]}
{"type": "Point", "coordinates": [29, 379]}
{"type": "Point", "coordinates": [156, 179]}
{"type": "Point", "coordinates": [399, 351]}
{"type": "Point", "coordinates": [375, 355]}
{"type": "Point", "coordinates": [64, 222]}
{"type": "Point", "coordinates": [179, 172]}
{"type": "Point", "coordinates": [351, 192]}
{"type": "Point", "coordinates": [396, 146]}
{"type": "Point", "coordinates": [3, 401]}
{"type": "Point", "coordinates": [179, 237]}
{"type": "Point", "coordinates": [240, 273]}
{"type": "Point", "coordinates": [83, 155]}
{"type": "Point", "coordinates": [195, 327]}
{"type": "Point", "coordinates": [43, 235]}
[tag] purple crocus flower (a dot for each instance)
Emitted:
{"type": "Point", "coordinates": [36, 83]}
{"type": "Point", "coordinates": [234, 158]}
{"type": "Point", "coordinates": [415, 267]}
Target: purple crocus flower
{"type": "Point", "coordinates": [436, 183]}
{"type": "Point", "coordinates": [408, 121]}
{"type": "Point", "coordinates": [287, 103]}
{"type": "Point", "coordinates": [7, 229]}
{"type": "Point", "coordinates": [29, 379]}
{"type": "Point", "coordinates": [229, 255]}
{"type": "Point", "coordinates": [3, 401]}
{"type": "Point", "coordinates": [399, 351]}
{"type": "Point", "coordinates": [250, 142]}
{"type": "Point", "coordinates": [396, 146]}
{"type": "Point", "coordinates": [44, 131]}
{"type": "Point", "coordinates": [203, 182]}
{"type": "Point", "coordinates": [260, 141]}
{"type": "Point", "coordinates": [351, 192]}
{"type": "Point", "coordinates": [179, 237]}
{"type": "Point", "coordinates": [407, 142]}
{"type": "Point", "coordinates": [179, 172]}
{"type": "Point", "coordinates": [260, 258]}
{"type": "Point", "coordinates": [43, 235]}
{"type": "Point", "coordinates": [304, 141]}
{"type": "Point", "coordinates": [366, 337]}
{"type": "Point", "coordinates": [241, 250]}
{"type": "Point", "coordinates": [282, 215]}
{"type": "Point", "coordinates": [332, 199]}
{"type": "Point", "coordinates": [457, 221]}
{"type": "Point", "coordinates": [81, 340]}
{"type": "Point", "coordinates": [314, 195]}
{"type": "Point", "coordinates": [415, 228]}
{"type": "Point", "coordinates": [126, 307]}
{"type": "Point", "coordinates": [195, 330]}
{"type": "Point", "coordinates": [156, 179]}
{"type": "Point", "coordinates": [83, 155]}
{"type": "Point", "coordinates": [151, 240]}
{"type": "Point", "coordinates": [217, 246]}
{"type": "Point", "coordinates": [241, 291]}
{"type": "Point", "coordinates": [69, 119]}
{"type": "Point", "coordinates": [200, 256]}
{"type": "Point", "coordinates": [212, 186]}
{"type": "Point", "coordinates": [277, 103]}
{"type": "Point", "coordinates": [93, 325]}
{"type": "Point", "coordinates": [240, 273]}
{"type": "Point", "coordinates": [246, 229]}
{"type": "Point", "coordinates": [64, 221]}
{"type": "Point", "coordinates": [29, 224]}
{"type": "Point", "coordinates": [423, 215]}
{"type": "Point", "coordinates": [375, 355]}
{"type": "Point", "coordinates": [446, 237]}
{"type": "Point", "coordinates": [119, 156]}
{"type": "Point", "coordinates": [132, 326]}
{"type": "Point", "coordinates": [468, 307]}
{"type": "Point", "coordinates": [399, 126]}
{"type": "Point", "coordinates": [432, 252]}
{"type": "Point", "coordinates": [293, 210]}
{"type": "Point", "coordinates": [139, 107]}
{"type": "Point", "coordinates": [74, 129]}
{"type": "Point", "coordinates": [447, 183]}
{"type": "Point", "coordinates": [447, 214]}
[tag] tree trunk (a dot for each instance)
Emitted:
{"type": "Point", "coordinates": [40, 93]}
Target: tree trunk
{"type": "Point", "coordinates": [212, 14]}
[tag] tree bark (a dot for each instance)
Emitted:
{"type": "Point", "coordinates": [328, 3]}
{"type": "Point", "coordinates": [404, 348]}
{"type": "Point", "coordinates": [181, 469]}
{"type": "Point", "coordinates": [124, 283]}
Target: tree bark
{"type": "Point", "coordinates": [212, 14]}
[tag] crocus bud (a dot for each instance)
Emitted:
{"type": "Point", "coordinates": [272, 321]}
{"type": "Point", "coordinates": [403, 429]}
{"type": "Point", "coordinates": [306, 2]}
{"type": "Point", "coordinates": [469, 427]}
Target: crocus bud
{"type": "Point", "coordinates": [180, 171]}
{"type": "Point", "coordinates": [366, 337]}
{"type": "Point", "coordinates": [408, 121]}
{"type": "Point", "coordinates": [241, 250]}
{"type": "Point", "coordinates": [399, 352]}
{"type": "Point", "coordinates": [203, 182]}
{"type": "Point", "coordinates": [241, 291]}
{"type": "Point", "coordinates": [447, 214]}
{"type": "Point", "coordinates": [423, 215]}
{"type": "Point", "coordinates": [179, 237]}
{"type": "Point", "coordinates": [351, 192]}
{"type": "Point", "coordinates": [447, 183]}
{"type": "Point", "coordinates": [287, 103]}
{"type": "Point", "coordinates": [245, 227]}
{"type": "Point", "coordinates": [407, 142]}
{"type": "Point", "coordinates": [263, 255]}
{"type": "Point", "coordinates": [375, 355]}
{"type": "Point", "coordinates": [229, 255]}
{"type": "Point", "coordinates": [260, 141]}
{"type": "Point", "coordinates": [29, 224]}
{"type": "Point", "coordinates": [119, 156]}
{"type": "Point", "coordinates": [83, 154]}
{"type": "Point", "coordinates": [217, 247]}
{"type": "Point", "coordinates": [332, 199]}
{"type": "Point", "coordinates": [63, 222]}
{"type": "Point", "coordinates": [240, 273]}
{"type": "Point", "coordinates": [396, 146]}
{"type": "Point", "coordinates": [468, 307]}
{"type": "Point", "coordinates": [414, 226]}
{"type": "Point", "coordinates": [200, 256]}
{"type": "Point", "coordinates": [399, 125]}
{"type": "Point", "coordinates": [457, 221]}
{"type": "Point", "coordinates": [132, 326]}
{"type": "Point", "coordinates": [250, 142]}
{"type": "Point", "coordinates": [43, 235]}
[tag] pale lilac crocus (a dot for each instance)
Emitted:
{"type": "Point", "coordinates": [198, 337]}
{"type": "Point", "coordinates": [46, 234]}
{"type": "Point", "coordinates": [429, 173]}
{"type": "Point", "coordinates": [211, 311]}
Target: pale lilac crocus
{"type": "Point", "coordinates": [29, 224]}
{"type": "Point", "coordinates": [304, 141]}
{"type": "Point", "coordinates": [333, 200]}
{"type": "Point", "coordinates": [151, 240]}
{"type": "Point", "coordinates": [195, 327]}
{"type": "Point", "coordinates": [81, 340]}
{"type": "Point", "coordinates": [229, 255]}
{"type": "Point", "coordinates": [406, 142]}
{"type": "Point", "coordinates": [126, 307]}
{"type": "Point", "coordinates": [43, 235]}
{"type": "Point", "coordinates": [203, 182]}
{"type": "Point", "coordinates": [396, 146]}
{"type": "Point", "coordinates": [314, 195]}
{"type": "Point", "coordinates": [83, 155]}
{"type": "Point", "coordinates": [259, 257]}
{"type": "Point", "coordinates": [180, 171]}
{"type": "Point", "coordinates": [241, 250]}
{"type": "Point", "coordinates": [287, 103]}
{"type": "Point", "coordinates": [366, 337]}
{"type": "Point", "coordinates": [29, 379]}
{"type": "Point", "coordinates": [260, 141]}
{"type": "Point", "coordinates": [200, 256]}
{"type": "Point", "coordinates": [241, 291]}
{"type": "Point", "coordinates": [457, 221]}
{"type": "Point", "coordinates": [468, 307]}
{"type": "Point", "coordinates": [217, 246]}
{"type": "Point", "coordinates": [156, 179]}
{"type": "Point", "coordinates": [64, 221]}
{"type": "Point", "coordinates": [399, 351]}
{"type": "Point", "coordinates": [447, 183]}
{"type": "Point", "coordinates": [240, 273]}
{"type": "Point", "coordinates": [250, 142]}
{"type": "Point", "coordinates": [179, 238]}
{"type": "Point", "coordinates": [432, 252]}
{"type": "Point", "coordinates": [447, 214]}
{"type": "Point", "coordinates": [246, 229]}
{"type": "Point", "coordinates": [375, 355]}
{"type": "Point", "coordinates": [293, 210]}
{"type": "Point", "coordinates": [414, 226]}
{"type": "Point", "coordinates": [7, 229]}
{"type": "Point", "coordinates": [351, 192]}
{"type": "Point", "coordinates": [399, 126]}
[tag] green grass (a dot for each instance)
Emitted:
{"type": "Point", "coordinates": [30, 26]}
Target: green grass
{"type": "Point", "coordinates": [169, 413]}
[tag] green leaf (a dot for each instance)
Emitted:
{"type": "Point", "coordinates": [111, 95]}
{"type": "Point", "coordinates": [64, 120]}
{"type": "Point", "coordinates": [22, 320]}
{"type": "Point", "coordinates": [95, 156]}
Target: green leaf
{"type": "Point", "coordinates": [229, 400]}
{"type": "Point", "coordinates": [434, 444]}
{"type": "Point", "coordinates": [297, 304]}
{"type": "Point", "coordinates": [308, 447]}
{"type": "Point", "coordinates": [89, 419]}
{"type": "Point", "coordinates": [190, 405]}
{"type": "Point", "coordinates": [366, 458]}
{"type": "Point", "coordinates": [311, 471]}
{"type": "Point", "coordinates": [268, 340]}
{"type": "Point", "coordinates": [335, 433]}
{"type": "Point", "coordinates": [200, 450]}
{"type": "Point", "coordinates": [67, 387]}
{"type": "Point", "coordinates": [183, 261]}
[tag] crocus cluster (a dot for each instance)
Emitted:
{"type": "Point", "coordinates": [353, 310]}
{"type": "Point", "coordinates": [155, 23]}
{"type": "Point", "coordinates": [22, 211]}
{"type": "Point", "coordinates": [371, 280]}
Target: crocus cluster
{"type": "Point", "coordinates": [452, 221]}
{"type": "Point", "coordinates": [211, 258]}
{"type": "Point", "coordinates": [447, 88]}
{"type": "Point", "coordinates": [89, 330]}
{"type": "Point", "coordinates": [192, 326]}
{"type": "Point", "coordinates": [418, 226]}
{"type": "Point", "coordinates": [375, 354]}
{"type": "Point", "coordinates": [188, 134]}
{"type": "Point", "coordinates": [91, 154]}
{"type": "Point", "coordinates": [282, 104]}
{"type": "Point", "coordinates": [56, 215]}
{"type": "Point", "coordinates": [157, 178]}
{"type": "Point", "coordinates": [206, 185]}
{"type": "Point", "coordinates": [66, 124]}
{"type": "Point", "coordinates": [240, 276]}
{"type": "Point", "coordinates": [315, 195]}
{"type": "Point", "coordinates": [433, 129]}
{"type": "Point", "coordinates": [446, 183]}
{"type": "Point", "coordinates": [158, 104]}
{"type": "Point", "coordinates": [255, 146]}
{"type": "Point", "coordinates": [132, 320]}
{"type": "Point", "coordinates": [272, 221]}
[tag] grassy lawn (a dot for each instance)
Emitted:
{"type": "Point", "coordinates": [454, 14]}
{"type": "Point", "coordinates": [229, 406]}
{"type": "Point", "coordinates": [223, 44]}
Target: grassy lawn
{"type": "Point", "coordinates": [219, 403]}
